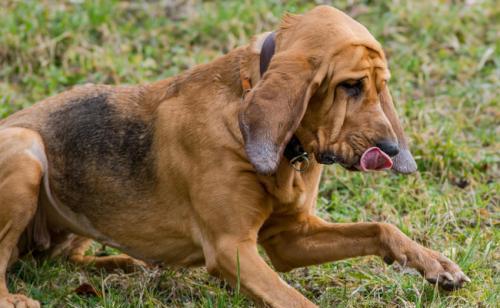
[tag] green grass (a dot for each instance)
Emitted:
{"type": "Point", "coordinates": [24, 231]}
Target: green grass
{"type": "Point", "coordinates": [444, 57]}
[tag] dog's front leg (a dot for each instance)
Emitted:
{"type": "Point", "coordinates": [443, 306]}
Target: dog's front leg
{"type": "Point", "coordinates": [314, 241]}
{"type": "Point", "coordinates": [238, 261]}
{"type": "Point", "coordinates": [230, 209]}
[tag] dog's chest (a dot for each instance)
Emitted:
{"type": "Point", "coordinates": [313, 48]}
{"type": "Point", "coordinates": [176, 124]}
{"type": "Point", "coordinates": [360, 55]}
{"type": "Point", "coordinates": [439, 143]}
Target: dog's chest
{"type": "Point", "coordinates": [292, 191]}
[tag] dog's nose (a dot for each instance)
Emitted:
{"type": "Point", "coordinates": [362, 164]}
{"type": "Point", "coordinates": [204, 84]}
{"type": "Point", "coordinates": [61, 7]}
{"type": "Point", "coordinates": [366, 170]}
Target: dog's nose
{"type": "Point", "coordinates": [326, 158]}
{"type": "Point", "coordinates": [388, 147]}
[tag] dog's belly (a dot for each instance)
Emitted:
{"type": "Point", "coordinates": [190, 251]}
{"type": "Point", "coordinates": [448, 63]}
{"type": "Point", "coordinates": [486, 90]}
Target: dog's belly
{"type": "Point", "coordinates": [155, 232]}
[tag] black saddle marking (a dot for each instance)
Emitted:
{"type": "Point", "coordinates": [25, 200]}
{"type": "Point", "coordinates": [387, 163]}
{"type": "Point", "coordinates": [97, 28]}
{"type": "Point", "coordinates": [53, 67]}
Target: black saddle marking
{"type": "Point", "coordinates": [97, 154]}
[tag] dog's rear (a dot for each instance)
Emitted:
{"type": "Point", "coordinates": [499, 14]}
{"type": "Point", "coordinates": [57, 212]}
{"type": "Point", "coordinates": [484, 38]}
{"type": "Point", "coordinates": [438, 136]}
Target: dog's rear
{"type": "Point", "coordinates": [81, 132]}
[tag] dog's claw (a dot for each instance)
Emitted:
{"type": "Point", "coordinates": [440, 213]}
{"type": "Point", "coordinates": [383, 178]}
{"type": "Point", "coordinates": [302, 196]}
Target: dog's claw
{"type": "Point", "coordinates": [464, 277]}
{"type": "Point", "coordinates": [447, 277]}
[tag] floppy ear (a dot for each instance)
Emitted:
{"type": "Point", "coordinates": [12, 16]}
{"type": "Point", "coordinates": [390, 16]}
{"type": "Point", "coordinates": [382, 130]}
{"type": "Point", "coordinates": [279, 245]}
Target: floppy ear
{"type": "Point", "coordinates": [404, 161]}
{"type": "Point", "coordinates": [273, 110]}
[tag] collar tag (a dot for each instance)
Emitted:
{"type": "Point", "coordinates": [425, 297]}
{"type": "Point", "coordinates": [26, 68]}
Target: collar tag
{"type": "Point", "coordinates": [294, 162]}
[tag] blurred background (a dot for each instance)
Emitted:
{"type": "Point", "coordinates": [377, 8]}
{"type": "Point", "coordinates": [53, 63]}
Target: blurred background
{"type": "Point", "coordinates": [444, 57]}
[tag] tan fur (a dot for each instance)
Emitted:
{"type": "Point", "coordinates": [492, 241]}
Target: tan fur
{"type": "Point", "coordinates": [201, 180]}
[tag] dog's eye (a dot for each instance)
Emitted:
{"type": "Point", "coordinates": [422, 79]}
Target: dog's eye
{"type": "Point", "coordinates": [353, 87]}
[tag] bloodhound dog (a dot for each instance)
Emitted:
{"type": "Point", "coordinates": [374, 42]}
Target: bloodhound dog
{"type": "Point", "coordinates": [201, 168]}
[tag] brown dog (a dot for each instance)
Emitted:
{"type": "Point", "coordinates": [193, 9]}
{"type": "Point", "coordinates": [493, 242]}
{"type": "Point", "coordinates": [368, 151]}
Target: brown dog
{"type": "Point", "coordinates": [185, 172]}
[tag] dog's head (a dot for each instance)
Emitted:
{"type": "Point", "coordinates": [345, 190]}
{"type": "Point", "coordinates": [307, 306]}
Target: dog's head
{"type": "Point", "coordinates": [327, 84]}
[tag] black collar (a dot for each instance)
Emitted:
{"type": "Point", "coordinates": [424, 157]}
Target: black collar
{"type": "Point", "coordinates": [294, 149]}
{"type": "Point", "coordinates": [267, 52]}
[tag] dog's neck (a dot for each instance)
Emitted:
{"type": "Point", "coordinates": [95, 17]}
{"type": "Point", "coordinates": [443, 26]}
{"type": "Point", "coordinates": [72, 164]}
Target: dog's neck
{"type": "Point", "coordinates": [224, 75]}
{"type": "Point", "coordinates": [237, 71]}
{"type": "Point", "coordinates": [226, 71]}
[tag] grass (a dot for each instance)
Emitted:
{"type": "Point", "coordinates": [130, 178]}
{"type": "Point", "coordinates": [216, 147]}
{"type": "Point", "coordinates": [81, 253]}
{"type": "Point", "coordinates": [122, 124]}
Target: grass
{"type": "Point", "coordinates": [444, 57]}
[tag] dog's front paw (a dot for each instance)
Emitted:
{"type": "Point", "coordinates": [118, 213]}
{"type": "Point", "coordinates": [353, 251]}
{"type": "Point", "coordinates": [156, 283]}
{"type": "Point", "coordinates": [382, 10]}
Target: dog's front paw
{"type": "Point", "coordinates": [431, 264]}
{"type": "Point", "coordinates": [441, 270]}
{"type": "Point", "coordinates": [435, 267]}
{"type": "Point", "coordinates": [17, 301]}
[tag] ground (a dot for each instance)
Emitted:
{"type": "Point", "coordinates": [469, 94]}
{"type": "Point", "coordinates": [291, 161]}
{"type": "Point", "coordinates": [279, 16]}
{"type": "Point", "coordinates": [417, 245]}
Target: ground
{"type": "Point", "coordinates": [444, 58]}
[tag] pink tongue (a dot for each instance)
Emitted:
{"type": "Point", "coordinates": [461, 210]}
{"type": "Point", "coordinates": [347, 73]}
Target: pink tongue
{"type": "Point", "coordinates": [375, 159]}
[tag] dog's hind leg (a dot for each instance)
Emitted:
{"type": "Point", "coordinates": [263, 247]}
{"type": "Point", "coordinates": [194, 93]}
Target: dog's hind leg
{"type": "Point", "coordinates": [80, 245]}
{"type": "Point", "coordinates": [22, 164]}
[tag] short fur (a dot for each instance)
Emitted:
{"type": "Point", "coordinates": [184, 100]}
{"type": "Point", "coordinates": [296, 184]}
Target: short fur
{"type": "Point", "coordinates": [184, 172]}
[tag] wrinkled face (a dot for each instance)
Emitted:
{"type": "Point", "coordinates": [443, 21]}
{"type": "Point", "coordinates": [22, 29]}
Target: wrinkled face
{"type": "Point", "coordinates": [327, 85]}
{"type": "Point", "coordinates": [345, 117]}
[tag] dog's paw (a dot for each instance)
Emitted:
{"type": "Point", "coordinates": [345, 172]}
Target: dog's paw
{"type": "Point", "coordinates": [18, 301]}
{"type": "Point", "coordinates": [435, 267]}
{"type": "Point", "coordinates": [138, 265]}
{"type": "Point", "coordinates": [444, 272]}
{"type": "Point", "coordinates": [129, 264]}
{"type": "Point", "coordinates": [431, 264]}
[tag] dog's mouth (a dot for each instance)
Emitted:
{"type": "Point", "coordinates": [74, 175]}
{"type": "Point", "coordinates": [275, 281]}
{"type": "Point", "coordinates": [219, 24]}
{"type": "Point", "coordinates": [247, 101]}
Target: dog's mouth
{"type": "Point", "coordinates": [372, 159]}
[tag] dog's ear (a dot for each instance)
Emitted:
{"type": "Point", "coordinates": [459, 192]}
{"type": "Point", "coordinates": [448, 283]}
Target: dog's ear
{"type": "Point", "coordinates": [404, 161]}
{"type": "Point", "coordinates": [272, 111]}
